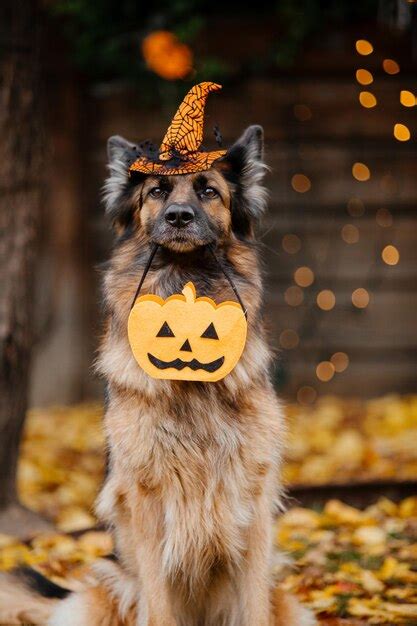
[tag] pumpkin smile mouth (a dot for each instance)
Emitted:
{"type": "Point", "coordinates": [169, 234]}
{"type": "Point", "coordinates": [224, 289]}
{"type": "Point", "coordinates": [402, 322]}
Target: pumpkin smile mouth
{"type": "Point", "coordinates": [179, 364]}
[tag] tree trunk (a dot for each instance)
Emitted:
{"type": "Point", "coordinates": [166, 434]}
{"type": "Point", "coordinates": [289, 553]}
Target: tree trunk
{"type": "Point", "coordinates": [20, 190]}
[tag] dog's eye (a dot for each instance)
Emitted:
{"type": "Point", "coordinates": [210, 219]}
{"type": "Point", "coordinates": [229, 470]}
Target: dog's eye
{"type": "Point", "coordinates": [209, 192]}
{"type": "Point", "coordinates": [156, 192]}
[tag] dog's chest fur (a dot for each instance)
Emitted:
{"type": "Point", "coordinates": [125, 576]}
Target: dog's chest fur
{"type": "Point", "coordinates": [194, 466]}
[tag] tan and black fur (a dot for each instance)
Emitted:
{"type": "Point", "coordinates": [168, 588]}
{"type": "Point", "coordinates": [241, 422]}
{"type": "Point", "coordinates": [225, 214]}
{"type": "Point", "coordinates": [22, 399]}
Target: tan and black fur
{"type": "Point", "coordinates": [194, 469]}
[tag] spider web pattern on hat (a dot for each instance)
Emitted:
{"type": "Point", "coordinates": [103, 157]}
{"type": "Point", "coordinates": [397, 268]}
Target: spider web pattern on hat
{"type": "Point", "coordinates": [179, 151]}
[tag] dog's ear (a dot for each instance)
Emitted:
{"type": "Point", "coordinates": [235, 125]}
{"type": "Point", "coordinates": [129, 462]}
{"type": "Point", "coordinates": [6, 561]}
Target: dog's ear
{"type": "Point", "coordinates": [117, 190]}
{"type": "Point", "coordinates": [244, 167]}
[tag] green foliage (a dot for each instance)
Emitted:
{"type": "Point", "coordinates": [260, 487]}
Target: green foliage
{"type": "Point", "coordinates": [306, 18]}
{"type": "Point", "coordinates": [105, 36]}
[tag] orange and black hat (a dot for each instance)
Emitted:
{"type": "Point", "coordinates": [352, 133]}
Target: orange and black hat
{"type": "Point", "coordinates": [180, 152]}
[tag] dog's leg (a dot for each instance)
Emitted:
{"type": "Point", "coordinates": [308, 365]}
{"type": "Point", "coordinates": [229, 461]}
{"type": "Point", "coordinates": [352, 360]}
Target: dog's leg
{"type": "Point", "coordinates": [155, 605]}
{"type": "Point", "coordinates": [254, 579]}
{"type": "Point", "coordinates": [138, 546]}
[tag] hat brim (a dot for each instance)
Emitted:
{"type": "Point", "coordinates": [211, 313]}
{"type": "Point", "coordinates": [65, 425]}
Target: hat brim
{"type": "Point", "coordinates": [197, 162]}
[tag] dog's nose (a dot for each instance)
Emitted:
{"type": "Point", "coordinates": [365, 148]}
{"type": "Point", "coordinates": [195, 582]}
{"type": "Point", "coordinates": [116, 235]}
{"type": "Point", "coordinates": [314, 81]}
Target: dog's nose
{"type": "Point", "coordinates": [179, 215]}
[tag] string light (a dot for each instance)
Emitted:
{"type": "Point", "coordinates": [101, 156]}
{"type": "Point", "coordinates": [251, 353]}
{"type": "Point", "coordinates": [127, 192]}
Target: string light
{"type": "Point", "coordinates": [390, 66]}
{"type": "Point", "coordinates": [326, 300]}
{"type": "Point", "coordinates": [300, 183]}
{"type": "Point", "coordinates": [304, 276]}
{"type": "Point", "coordinates": [407, 98]}
{"type": "Point", "coordinates": [367, 99]}
{"type": "Point", "coordinates": [350, 233]}
{"type": "Point", "coordinates": [294, 295]}
{"type": "Point", "coordinates": [361, 172]}
{"type": "Point", "coordinates": [355, 207]}
{"type": "Point", "coordinates": [291, 243]}
{"type": "Point", "coordinates": [302, 112]}
{"type": "Point", "coordinates": [360, 298]}
{"type": "Point", "coordinates": [364, 77]}
{"type": "Point", "coordinates": [340, 361]}
{"type": "Point", "coordinates": [306, 395]}
{"type": "Point", "coordinates": [401, 132]}
{"type": "Point", "coordinates": [325, 371]}
{"type": "Point", "coordinates": [364, 47]}
{"type": "Point", "coordinates": [289, 339]}
{"type": "Point", "coordinates": [390, 255]}
{"type": "Point", "coordinates": [384, 218]}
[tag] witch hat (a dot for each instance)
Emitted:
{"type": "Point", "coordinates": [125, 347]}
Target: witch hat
{"type": "Point", "coordinates": [179, 151]}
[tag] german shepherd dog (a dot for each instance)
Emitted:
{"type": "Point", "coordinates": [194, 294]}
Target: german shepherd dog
{"type": "Point", "coordinates": [194, 470]}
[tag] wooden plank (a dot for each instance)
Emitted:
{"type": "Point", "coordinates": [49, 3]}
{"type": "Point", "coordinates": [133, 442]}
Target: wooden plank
{"type": "Point", "coordinates": [332, 259]}
{"type": "Point", "coordinates": [332, 99]}
{"type": "Point", "coordinates": [330, 172]}
{"type": "Point", "coordinates": [389, 314]}
{"type": "Point", "coordinates": [358, 494]}
{"type": "Point", "coordinates": [363, 379]}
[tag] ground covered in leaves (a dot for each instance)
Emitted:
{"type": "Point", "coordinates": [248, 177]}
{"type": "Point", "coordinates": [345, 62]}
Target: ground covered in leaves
{"type": "Point", "coordinates": [358, 566]}
{"type": "Point", "coordinates": [352, 567]}
{"type": "Point", "coordinates": [341, 440]}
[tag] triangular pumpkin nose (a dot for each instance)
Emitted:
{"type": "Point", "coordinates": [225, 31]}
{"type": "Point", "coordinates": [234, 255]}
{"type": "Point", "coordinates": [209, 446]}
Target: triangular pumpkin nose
{"type": "Point", "coordinates": [186, 346]}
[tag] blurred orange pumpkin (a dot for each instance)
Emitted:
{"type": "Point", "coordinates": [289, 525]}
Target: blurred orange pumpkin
{"type": "Point", "coordinates": [166, 55]}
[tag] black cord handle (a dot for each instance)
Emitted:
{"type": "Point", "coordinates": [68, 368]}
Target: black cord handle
{"type": "Point", "coordinates": [230, 280]}
{"type": "Point", "coordinates": [155, 247]}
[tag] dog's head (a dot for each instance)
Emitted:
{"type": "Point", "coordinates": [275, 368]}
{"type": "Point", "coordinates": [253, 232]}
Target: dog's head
{"type": "Point", "coordinates": [184, 212]}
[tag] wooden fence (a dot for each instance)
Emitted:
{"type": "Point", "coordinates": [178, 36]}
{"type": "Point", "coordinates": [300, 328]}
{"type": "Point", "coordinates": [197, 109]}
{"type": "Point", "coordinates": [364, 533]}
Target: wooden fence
{"type": "Point", "coordinates": [314, 126]}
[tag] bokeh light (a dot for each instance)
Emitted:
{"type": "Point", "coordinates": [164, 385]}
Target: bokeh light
{"type": "Point", "coordinates": [350, 233]}
{"type": "Point", "coordinates": [326, 299]}
{"type": "Point", "coordinates": [294, 295]}
{"type": "Point", "coordinates": [390, 66]}
{"type": "Point", "coordinates": [384, 218]}
{"type": "Point", "coordinates": [401, 132]}
{"type": "Point", "coordinates": [361, 172]}
{"type": "Point", "coordinates": [300, 183]}
{"type": "Point", "coordinates": [340, 361]}
{"type": "Point", "coordinates": [306, 395]}
{"type": "Point", "coordinates": [289, 339]}
{"type": "Point", "coordinates": [390, 255]}
{"type": "Point", "coordinates": [302, 112]}
{"type": "Point", "coordinates": [355, 207]}
{"type": "Point", "coordinates": [364, 77]}
{"type": "Point", "coordinates": [364, 47]}
{"type": "Point", "coordinates": [166, 55]}
{"type": "Point", "coordinates": [360, 298]}
{"type": "Point", "coordinates": [325, 371]}
{"type": "Point", "coordinates": [367, 99]}
{"type": "Point", "coordinates": [407, 98]}
{"type": "Point", "coordinates": [304, 276]}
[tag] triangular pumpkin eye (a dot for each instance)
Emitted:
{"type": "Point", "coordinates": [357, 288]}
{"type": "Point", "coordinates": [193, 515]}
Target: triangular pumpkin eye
{"type": "Point", "coordinates": [210, 332]}
{"type": "Point", "coordinates": [165, 331]}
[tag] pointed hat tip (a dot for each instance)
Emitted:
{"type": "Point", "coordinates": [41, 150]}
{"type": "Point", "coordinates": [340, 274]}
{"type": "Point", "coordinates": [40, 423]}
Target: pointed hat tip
{"type": "Point", "coordinates": [207, 86]}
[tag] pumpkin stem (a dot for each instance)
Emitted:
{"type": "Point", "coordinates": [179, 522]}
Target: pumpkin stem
{"type": "Point", "coordinates": [189, 292]}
